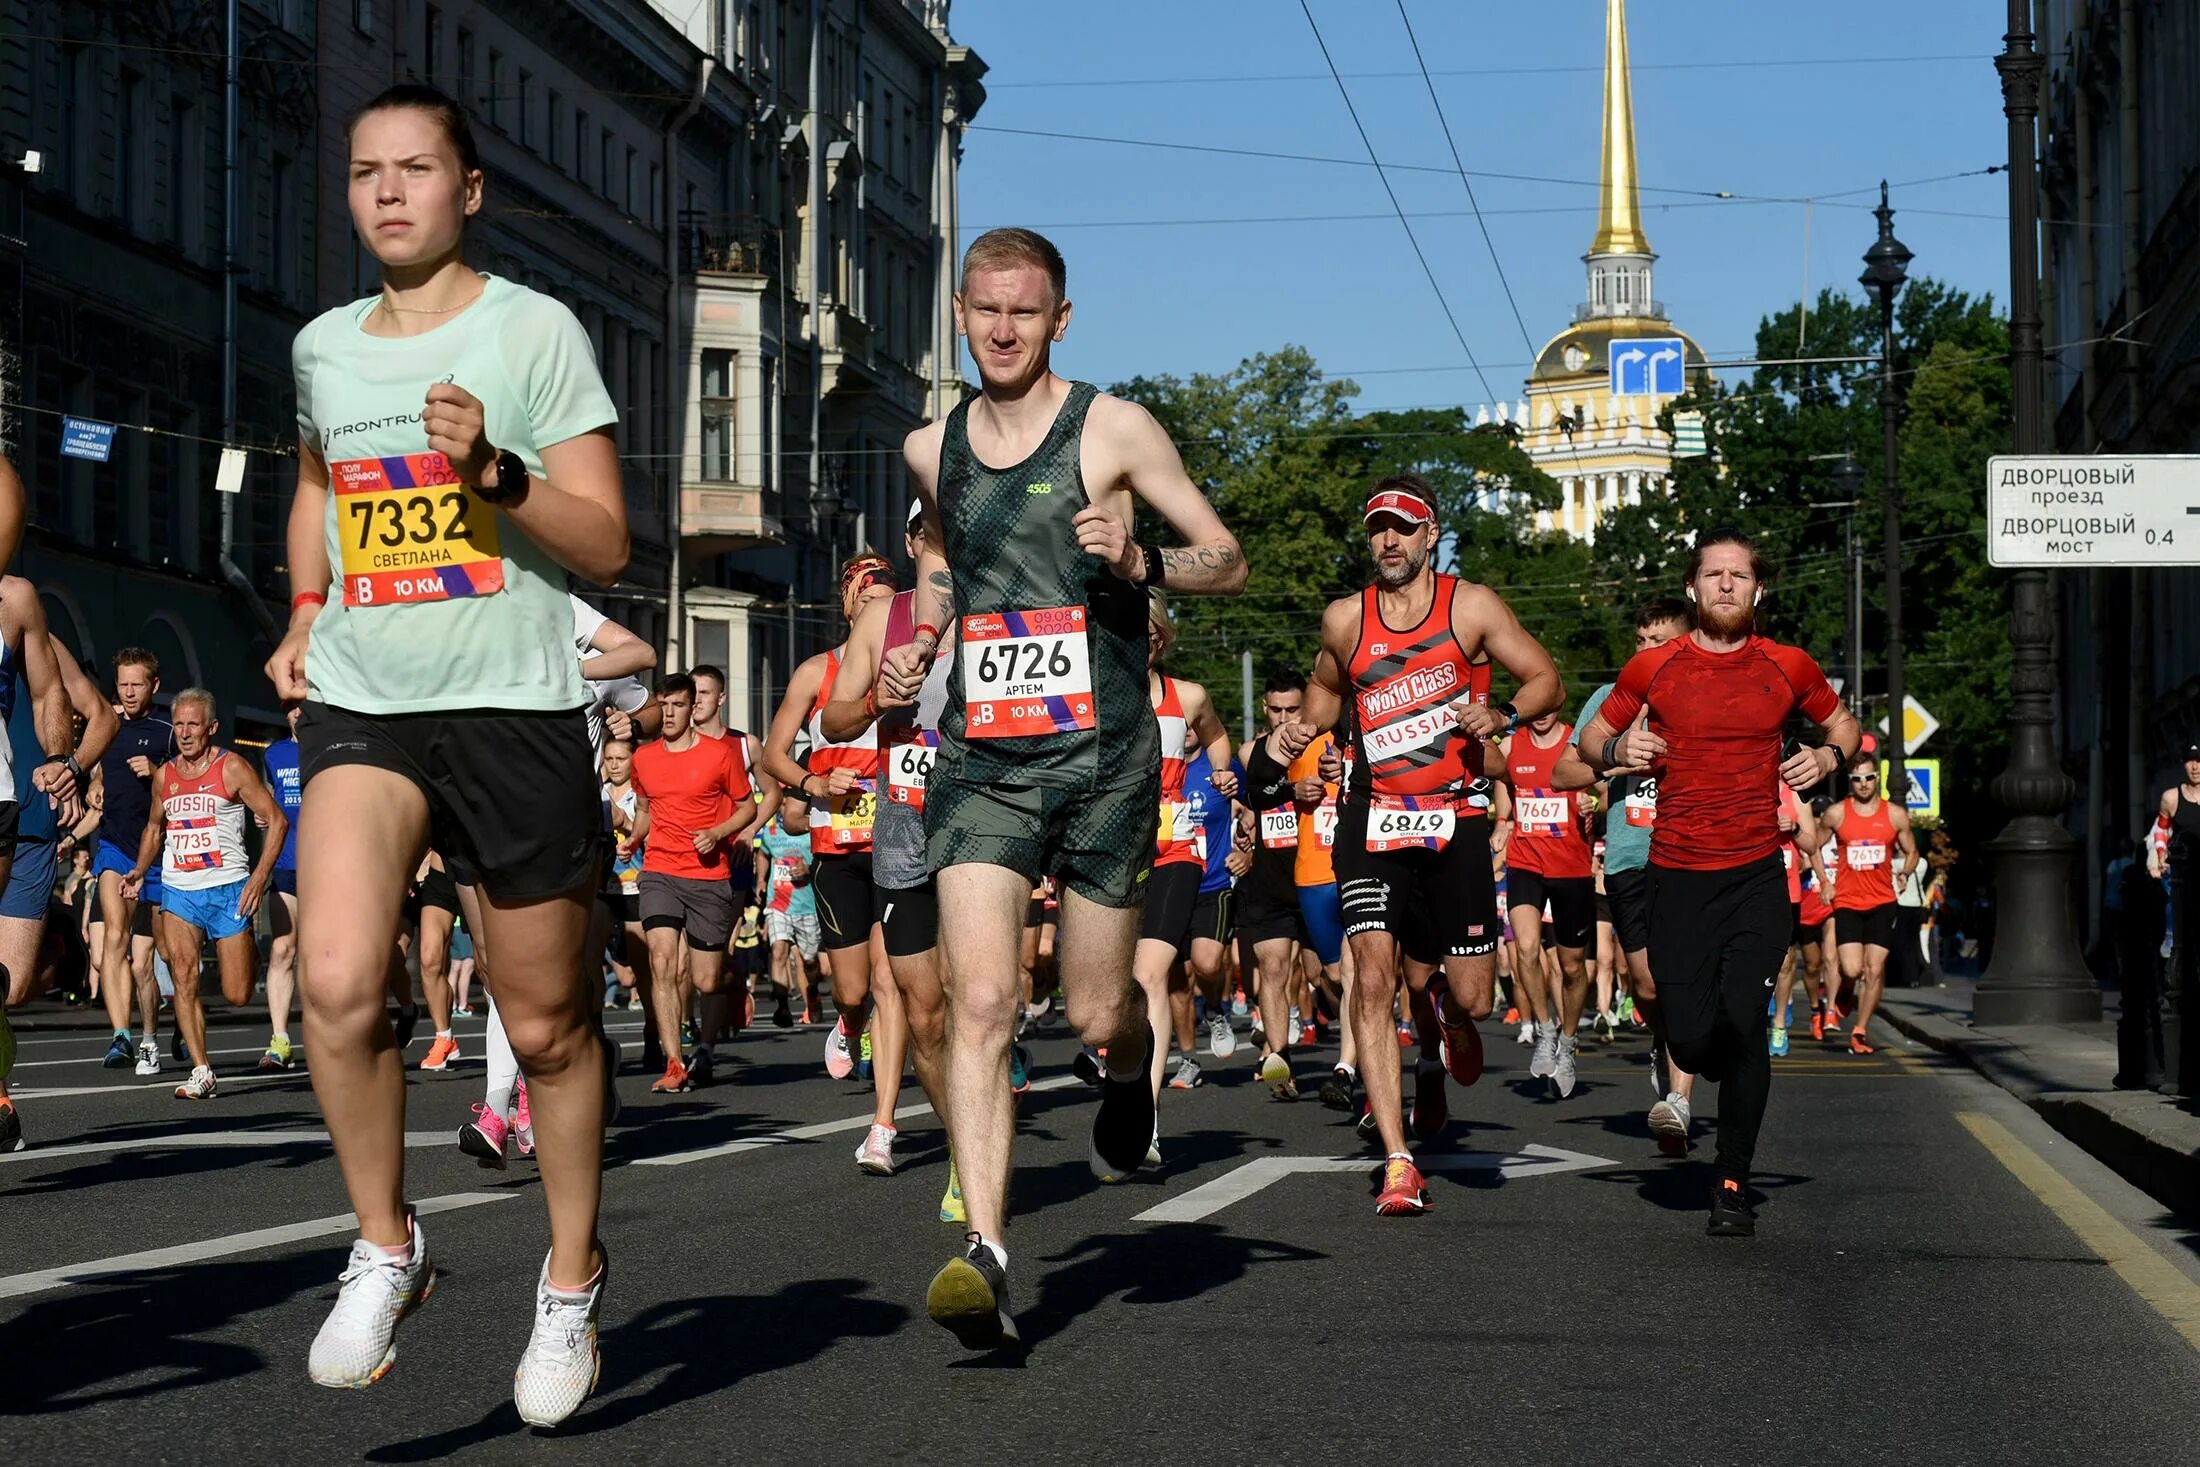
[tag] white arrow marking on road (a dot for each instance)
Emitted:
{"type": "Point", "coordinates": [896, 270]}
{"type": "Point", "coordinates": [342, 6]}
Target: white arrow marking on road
{"type": "Point", "coordinates": [812, 1133]}
{"type": "Point", "coordinates": [1531, 1161]}
{"type": "Point", "coordinates": [216, 1140]}
{"type": "Point", "coordinates": [16, 1286]}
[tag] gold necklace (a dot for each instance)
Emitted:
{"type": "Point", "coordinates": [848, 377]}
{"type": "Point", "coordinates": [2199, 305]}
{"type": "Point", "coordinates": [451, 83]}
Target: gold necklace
{"type": "Point", "coordinates": [427, 310]}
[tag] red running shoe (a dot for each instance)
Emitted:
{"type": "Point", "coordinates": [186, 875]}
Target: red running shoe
{"type": "Point", "coordinates": [674, 1079]}
{"type": "Point", "coordinates": [1858, 1044]}
{"type": "Point", "coordinates": [1462, 1040]}
{"type": "Point", "coordinates": [1512, 1017]}
{"type": "Point", "coordinates": [1817, 1024]}
{"type": "Point", "coordinates": [1400, 1193]}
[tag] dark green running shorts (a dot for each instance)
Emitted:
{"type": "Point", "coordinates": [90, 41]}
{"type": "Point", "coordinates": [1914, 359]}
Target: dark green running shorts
{"type": "Point", "coordinates": [1097, 843]}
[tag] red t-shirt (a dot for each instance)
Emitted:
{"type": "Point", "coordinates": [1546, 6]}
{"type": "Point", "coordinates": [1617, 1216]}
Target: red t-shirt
{"type": "Point", "coordinates": [1721, 715]}
{"type": "Point", "coordinates": [688, 791]}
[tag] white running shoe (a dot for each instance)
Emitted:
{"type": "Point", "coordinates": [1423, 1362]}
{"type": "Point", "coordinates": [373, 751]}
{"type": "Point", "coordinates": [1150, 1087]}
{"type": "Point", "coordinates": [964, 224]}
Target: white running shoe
{"type": "Point", "coordinates": [200, 1086]}
{"type": "Point", "coordinates": [148, 1060]}
{"type": "Point", "coordinates": [1545, 1058]}
{"type": "Point", "coordinates": [1669, 1121]}
{"type": "Point", "coordinates": [1562, 1069]}
{"type": "Point", "coordinates": [1187, 1075]}
{"type": "Point", "coordinates": [561, 1362]}
{"type": "Point", "coordinates": [876, 1154]}
{"type": "Point", "coordinates": [1298, 1031]}
{"type": "Point", "coordinates": [358, 1341]}
{"type": "Point", "coordinates": [1527, 1032]}
{"type": "Point", "coordinates": [1153, 1147]}
{"type": "Point", "coordinates": [1221, 1038]}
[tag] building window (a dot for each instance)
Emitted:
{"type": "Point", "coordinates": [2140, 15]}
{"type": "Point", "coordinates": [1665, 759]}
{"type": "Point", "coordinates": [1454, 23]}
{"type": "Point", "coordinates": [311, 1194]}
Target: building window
{"type": "Point", "coordinates": [185, 195]}
{"type": "Point", "coordinates": [656, 195]}
{"type": "Point", "coordinates": [1626, 293]}
{"type": "Point", "coordinates": [526, 109]}
{"type": "Point", "coordinates": [582, 153]}
{"type": "Point", "coordinates": [767, 424]}
{"type": "Point", "coordinates": [284, 262]}
{"type": "Point", "coordinates": [493, 104]}
{"type": "Point", "coordinates": [633, 184]}
{"type": "Point", "coordinates": [608, 178]}
{"type": "Point", "coordinates": [130, 149]}
{"type": "Point", "coordinates": [556, 105]}
{"type": "Point", "coordinates": [362, 16]}
{"type": "Point", "coordinates": [468, 89]}
{"type": "Point", "coordinates": [431, 44]}
{"type": "Point", "coordinates": [79, 121]}
{"type": "Point", "coordinates": [717, 416]}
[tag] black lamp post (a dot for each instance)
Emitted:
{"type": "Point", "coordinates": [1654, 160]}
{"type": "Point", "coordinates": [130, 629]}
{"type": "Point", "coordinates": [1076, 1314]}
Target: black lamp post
{"type": "Point", "coordinates": [2038, 975]}
{"type": "Point", "coordinates": [1848, 477]}
{"type": "Point", "coordinates": [1886, 268]}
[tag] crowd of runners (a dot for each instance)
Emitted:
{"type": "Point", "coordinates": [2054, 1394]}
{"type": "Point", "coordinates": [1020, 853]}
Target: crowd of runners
{"type": "Point", "coordinates": [991, 805]}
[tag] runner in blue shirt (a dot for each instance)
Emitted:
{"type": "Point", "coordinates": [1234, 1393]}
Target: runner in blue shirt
{"type": "Point", "coordinates": [279, 765]}
{"type": "Point", "coordinates": [1213, 921]}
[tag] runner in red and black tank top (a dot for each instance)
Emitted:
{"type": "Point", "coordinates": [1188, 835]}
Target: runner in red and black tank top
{"type": "Point", "coordinates": [1548, 864]}
{"type": "Point", "coordinates": [1872, 834]}
{"type": "Point", "coordinates": [1178, 840]}
{"type": "Point", "coordinates": [1397, 675]}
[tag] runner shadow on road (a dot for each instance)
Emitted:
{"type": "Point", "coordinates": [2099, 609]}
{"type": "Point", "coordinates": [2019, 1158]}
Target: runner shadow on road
{"type": "Point", "coordinates": [684, 1345]}
{"type": "Point", "coordinates": [1686, 1186]}
{"type": "Point", "coordinates": [145, 1334]}
{"type": "Point", "coordinates": [1172, 1264]}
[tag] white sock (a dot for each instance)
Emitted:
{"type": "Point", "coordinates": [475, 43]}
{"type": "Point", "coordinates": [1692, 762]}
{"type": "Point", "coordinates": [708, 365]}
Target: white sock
{"type": "Point", "coordinates": [1000, 1254]}
{"type": "Point", "coordinates": [442, 1033]}
{"type": "Point", "coordinates": [503, 1067]}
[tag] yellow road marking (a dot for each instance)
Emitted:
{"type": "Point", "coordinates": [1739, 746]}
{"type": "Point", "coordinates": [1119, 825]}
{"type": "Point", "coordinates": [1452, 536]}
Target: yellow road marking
{"type": "Point", "coordinates": [2168, 1292]}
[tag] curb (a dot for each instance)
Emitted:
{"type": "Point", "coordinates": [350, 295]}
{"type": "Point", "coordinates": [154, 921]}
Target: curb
{"type": "Point", "coordinates": [2146, 1138]}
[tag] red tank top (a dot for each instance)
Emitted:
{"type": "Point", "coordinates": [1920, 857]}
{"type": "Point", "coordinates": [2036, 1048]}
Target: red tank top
{"type": "Point", "coordinates": [1403, 686]}
{"type": "Point", "coordinates": [842, 826]}
{"type": "Point", "coordinates": [1791, 806]}
{"type": "Point", "coordinates": [1866, 853]}
{"type": "Point", "coordinates": [1547, 834]}
{"type": "Point", "coordinates": [1179, 840]}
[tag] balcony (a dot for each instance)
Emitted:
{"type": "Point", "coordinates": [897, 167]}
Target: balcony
{"type": "Point", "coordinates": [719, 519]}
{"type": "Point", "coordinates": [731, 244]}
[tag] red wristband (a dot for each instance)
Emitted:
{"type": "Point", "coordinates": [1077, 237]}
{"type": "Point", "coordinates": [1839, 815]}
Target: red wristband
{"type": "Point", "coordinates": [307, 598]}
{"type": "Point", "coordinates": [870, 703]}
{"type": "Point", "coordinates": [923, 627]}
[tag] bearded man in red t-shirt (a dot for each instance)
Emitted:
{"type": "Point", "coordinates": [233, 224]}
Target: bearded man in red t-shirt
{"type": "Point", "coordinates": [1706, 713]}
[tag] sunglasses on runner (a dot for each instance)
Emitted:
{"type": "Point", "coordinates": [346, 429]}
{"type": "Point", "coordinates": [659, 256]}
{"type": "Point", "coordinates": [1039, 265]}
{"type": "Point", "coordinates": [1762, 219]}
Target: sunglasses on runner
{"type": "Point", "coordinates": [1863, 779]}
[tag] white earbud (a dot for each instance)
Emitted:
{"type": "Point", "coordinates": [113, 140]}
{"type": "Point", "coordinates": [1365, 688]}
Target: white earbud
{"type": "Point", "coordinates": [1756, 598]}
{"type": "Point", "coordinates": [1691, 593]}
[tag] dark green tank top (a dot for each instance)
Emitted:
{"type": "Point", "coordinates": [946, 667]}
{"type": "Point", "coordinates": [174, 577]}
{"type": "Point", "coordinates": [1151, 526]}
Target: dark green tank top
{"type": "Point", "coordinates": [1012, 550]}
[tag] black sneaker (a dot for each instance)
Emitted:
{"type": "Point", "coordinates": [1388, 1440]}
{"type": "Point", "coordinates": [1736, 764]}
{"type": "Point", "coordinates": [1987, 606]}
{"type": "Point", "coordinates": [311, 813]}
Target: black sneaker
{"type": "Point", "coordinates": [177, 1049]}
{"type": "Point", "coordinates": [783, 1016]}
{"type": "Point", "coordinates": [1088, 1067]}
{"type": "Point", "coordinates": [1123, 1126]}
{"type": "Point", "coordinates": [969, 1297]}
{"type": "Point", "coordinates": [11, 1131]}
{"type": "Point", "coordinates": [408, 1019]}
{"type": "Point", "coordinates": [1337, 1090]}
{"type": "Point", "coordinates": [1731, 1216]}
{"type": "Point", "coordinates": [699, 1066]}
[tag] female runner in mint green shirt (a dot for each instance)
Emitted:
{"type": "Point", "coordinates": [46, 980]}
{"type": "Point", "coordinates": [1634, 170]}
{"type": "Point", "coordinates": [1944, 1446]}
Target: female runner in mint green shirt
{"type": "Point", "coordinates": [455, 462]}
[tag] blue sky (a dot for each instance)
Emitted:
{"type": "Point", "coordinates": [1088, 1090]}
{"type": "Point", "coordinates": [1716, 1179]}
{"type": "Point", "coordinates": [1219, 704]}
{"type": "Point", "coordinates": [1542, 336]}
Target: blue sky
{"type": "Point", "coordinates": [1743, 96]}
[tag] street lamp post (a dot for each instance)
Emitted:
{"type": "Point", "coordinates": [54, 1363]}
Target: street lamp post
{"type": "Point", "coordinates": [1849, 475]}
{"type": "Point", "coordinates": [1886, 268]}
{"type": "Point", "coordinates": [2038, 975]}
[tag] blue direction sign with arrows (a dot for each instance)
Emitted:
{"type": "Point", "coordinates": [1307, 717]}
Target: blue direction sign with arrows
{"type": "Point", "coordinates": [1649, 366]}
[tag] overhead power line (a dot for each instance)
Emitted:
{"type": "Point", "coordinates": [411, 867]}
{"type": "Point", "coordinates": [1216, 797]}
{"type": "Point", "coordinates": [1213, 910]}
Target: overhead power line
{"type": "Point", "coordinates": [1403, 222]}
{"type": "Point", "coordinates": [1740, 64]}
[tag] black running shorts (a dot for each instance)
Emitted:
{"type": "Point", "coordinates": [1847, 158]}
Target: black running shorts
{"type": "Point", "coordinates": [1629, 894]}
{"type": "Point", "coordinates": [1717, 939]}
{"type": "Point", "coordinates": [912, 918]}
{"type": "Point", "coordinates": [1437, 904]}
{"type": "Point", "coordinates": [1872, 927]}
{"type": "Point", "coordinates": [847, 901]}
{"type": "Point", "coordinates": [514, 803]}
{"type": "Point", "coordinates": [1572, 899]}
{"type": "Point", "coordinates": [1268, 908]}
{"type": "Point", "coordinates": [1214, 917]}
{"type": "Point", "coordinates": [1171, 894]}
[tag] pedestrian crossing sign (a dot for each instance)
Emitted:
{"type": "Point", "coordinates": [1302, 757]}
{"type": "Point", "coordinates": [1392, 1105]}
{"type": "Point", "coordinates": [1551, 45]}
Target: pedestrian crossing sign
{"type": "Point", "coordinates": [1924, 793]}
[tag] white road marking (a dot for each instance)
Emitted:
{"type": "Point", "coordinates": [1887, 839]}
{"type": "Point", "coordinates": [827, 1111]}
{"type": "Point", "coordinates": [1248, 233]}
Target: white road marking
{"type": "Point", "coordinates": [813, 1132]}
{"type": "Point", "coordinates": [1242, 1182]}
{"type": "Point", "coordinates": [168, 1079]}
{"type": "Point", "coordinates": [166, 1059]}
{"type": "Point", "coordinates": [212, 1140]}
{"type": "Point", "coordinates": [15, 1286]}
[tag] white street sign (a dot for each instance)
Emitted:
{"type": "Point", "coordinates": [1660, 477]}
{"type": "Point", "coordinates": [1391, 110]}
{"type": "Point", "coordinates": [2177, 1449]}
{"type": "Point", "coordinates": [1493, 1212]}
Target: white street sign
{"type": "Point", "coordinates": [1254, 1176]}
{"type": "Point", "coordinates": [2093, 510]}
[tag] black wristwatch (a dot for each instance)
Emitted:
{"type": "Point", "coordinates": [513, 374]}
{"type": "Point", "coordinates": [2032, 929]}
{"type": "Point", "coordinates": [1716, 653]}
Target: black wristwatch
{"type": "Point", "coordinates": [1510, 714]}
{"type": "Point", "coordinates": [512, 481]}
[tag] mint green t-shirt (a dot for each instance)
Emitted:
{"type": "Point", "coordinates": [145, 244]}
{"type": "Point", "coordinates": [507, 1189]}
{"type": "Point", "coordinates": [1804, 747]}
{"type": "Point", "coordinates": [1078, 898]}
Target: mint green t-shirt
{"type": "Point", "coordinates": [439, 602]}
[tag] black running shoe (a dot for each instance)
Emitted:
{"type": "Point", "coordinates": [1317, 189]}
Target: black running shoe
{"type": "Point", "coordinates": [1731, 1216]}
{"type": "Point", "coordinates": [1337, 1090]}
{"type": "Point", "coordinates": [700, 1066]}
{"type": "Point", "coordinates": [783, 1016]}
{"type": "Point", "coordinates": [11, 1131]}
{"type": "Point", "coordinates": [1088, 1067]}
{"type": "Point", "coordinates": [969, 1297]}
{"type": "Point", "coordinates": [1122, 1128]}
{"type": "Point", "coordinates": [177, 1049]}
{"type": "Point", "coordinates": [408, 1019]}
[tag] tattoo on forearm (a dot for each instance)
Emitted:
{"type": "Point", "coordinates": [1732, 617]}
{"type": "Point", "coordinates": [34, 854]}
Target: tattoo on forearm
{"type": "Point", "coordinates": [1190, 567]}
{"type": "Point", "coordinates": [943, 586]}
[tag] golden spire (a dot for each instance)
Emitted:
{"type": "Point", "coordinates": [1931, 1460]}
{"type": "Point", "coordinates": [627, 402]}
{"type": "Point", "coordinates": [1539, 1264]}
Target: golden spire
{"type": "Point", "coordinates": [1619, 208]}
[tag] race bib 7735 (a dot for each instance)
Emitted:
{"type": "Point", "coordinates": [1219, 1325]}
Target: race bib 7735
{"type": "Point", "coordinates": [410, 531]}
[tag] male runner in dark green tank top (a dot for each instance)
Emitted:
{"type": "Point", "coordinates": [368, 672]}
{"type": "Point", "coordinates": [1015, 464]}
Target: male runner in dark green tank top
{"type": "Point", "coordinates": [1049, 757]}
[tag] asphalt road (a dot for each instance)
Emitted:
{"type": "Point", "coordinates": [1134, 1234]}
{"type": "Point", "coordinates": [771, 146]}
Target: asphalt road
{"type": "Point", "coordinates": [1913, 1294]}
